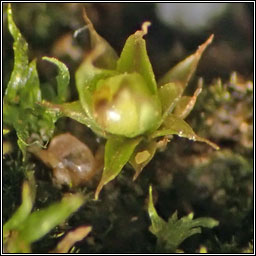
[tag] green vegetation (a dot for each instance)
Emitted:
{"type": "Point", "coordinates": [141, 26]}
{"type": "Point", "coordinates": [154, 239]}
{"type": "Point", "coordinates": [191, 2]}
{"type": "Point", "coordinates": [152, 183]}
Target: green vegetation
{"type": "Point", "coordinates": [135, 115]}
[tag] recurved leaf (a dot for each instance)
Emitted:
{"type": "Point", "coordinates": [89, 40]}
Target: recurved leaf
{"type": "Point", "coordinates": [62, 78]}
{"type": "Point", "coordinates": [118, 151]}
{"type": "Point", "coordinates": [20, 70]}
{"type": "Point", "coordinates": [107, 58]}
{"type": "Point", "coordinates": [183, 71]}
{"type": "Point", "coordinates": [177, 126]}
{"type": "Point", "coordinates": [186, 104]}
{"type": "Point", "coordinates": [134, 58]}
{"type": "Point", "coordinates": [98, 64]}
{"type": "Point", "coordinates": [23, 86]}
{"type": "Point", "coordinates": [32, 123]}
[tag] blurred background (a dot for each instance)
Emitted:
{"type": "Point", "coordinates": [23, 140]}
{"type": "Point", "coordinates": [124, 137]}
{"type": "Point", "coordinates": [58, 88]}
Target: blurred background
{"type": "Point", "coordinates": [187, 176]}
{"type": "Point", "coordinates": [176, 31]}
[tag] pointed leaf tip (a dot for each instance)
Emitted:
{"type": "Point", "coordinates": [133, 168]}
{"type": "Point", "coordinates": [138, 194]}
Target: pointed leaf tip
{"type": "Point", "coordinates": [212, 144]}
{"type": "Point", "coordinates": [134, 57]}
{"type": "Point", "coordinates": [86, 19]}
{"type": "Point", "coordinates": [175, 125]}
{"type": "Point", "coordinates": [97, 192]}
{"type": "Point", "coordinates": [106, 57]}
{"type": "Point", "coordinates": [144, 28]}
{"type": "Point", "coordinates": [118, 151]}
{"type": "Point", "coordinates": [203, 46]}
{"type": "Point", "coordinates": [62, 78]}
{"type": "Point", "coordinates": [183, 71]}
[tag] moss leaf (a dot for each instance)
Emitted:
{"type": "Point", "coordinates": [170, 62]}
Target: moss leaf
{"type": "Point", "coordinates": [118, 151]}
{"type": "Point", "coordinates": [172, 233]}
{"type": "Point", "coordinates": [186, 104]}
{"type": "Point", "coordinates": [177, 126]}
{"type": "Point", "coordinates": [107, 58]}
{"type": "Point", "coordinates": [169, 95]}
{"type": "Point", "coordinates": [157, 222]}
{"type": "Point", "coordinates": [134, 58]}
{"type": "Point", "coordinates": [20, 70]}
{"type": "Point", "coordinates": [87, 76]}
{"type": "Point", "coordinates": [75, 111]}
{"type": "Point", "coordinates": [23, 92]}
{"type": "Point", "coordinates": [23, 86]}
{"type": "Point", "coordinates": [142, 155]}
{"type": "Point", "coordinates": [98, 64]}
{"type": "Point", "coordinates": [22, 212]}
{"type": "Point", "coordinates": [183, 71]}
{"type": "Point", "coordinates": [31, 93]}
{"type": "Point", "coordinates": [62, 78]}
{"type": "Point", "coordinates": [39, 223]}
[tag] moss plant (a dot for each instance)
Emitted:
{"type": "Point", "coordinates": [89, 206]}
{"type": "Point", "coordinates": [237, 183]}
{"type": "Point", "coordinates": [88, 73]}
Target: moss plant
{"type": "Point", "coordinates": [121, 101]}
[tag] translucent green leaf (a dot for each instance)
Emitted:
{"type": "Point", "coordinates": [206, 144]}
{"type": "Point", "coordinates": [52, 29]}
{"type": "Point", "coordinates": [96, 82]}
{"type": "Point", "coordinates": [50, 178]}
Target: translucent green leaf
{"type": "Point", "coordinates": [123, 105]}
{"type": "Point", "coordinates": [134, 58]}
{"type": "Point", "coordinates": [13, 116]}
{"type": "Point", "coordinates": [177, 126]}
{"type": "Point", "coordinates": [75, 111]}
{"type": "Point", "coordinates": [118, 151]}
{"type": "Point", "coordinates": [63, 79]}
{"type": "Point", "coordinates": [23, 86]}
{"type": "Point", "coordinates": [172, 233]}
{"type": "Point", "coordinates": [37, 121]}
{"type": "Point", "coordinates": [142, 155]}
{"type": "Point", "coordinates": [35, 225]}
{"type": "Point", "coordinates": [41, 222]}
{"type": "Point", "coordinates": [22, 144]}
{"type": "Point", "coordinates": [183, 71]}
{"type": "Point", "coordinates": [87, 77]}
{"type": "Point", "coordinates": [32, 123]}
{"type": "Point", "coordinates": [107, 58]}
{"type": "Point", "coordinates": [169, 95]}
{"type": "Point", "coordinates": [30, 93]}
{"type": "Point", "coordinates": [10, 114]}
{"type": "Point", "coordinates": [99, 63]}
{"type": "Point", "coordinates": [21, 116]}
{"type": "Point", "coordinates": [22, 212]}
{"type": "Point", "coordinates": [177, 230]}
{"type": "Point", "coordinates": [157, 222]}
{"type": "Point", "coordinates": [186, 104]}
{"type": "Point", "coordinates": [20, 70]}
